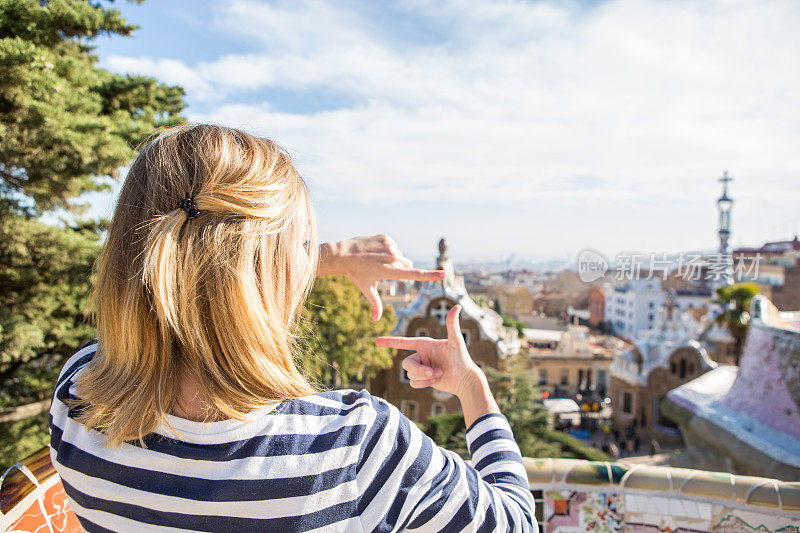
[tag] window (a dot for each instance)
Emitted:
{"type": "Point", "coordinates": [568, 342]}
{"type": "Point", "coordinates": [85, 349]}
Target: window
{"type": "Point", "coordinates": [413, 411]}
{"type": "Point", "coordinates": [627, 402]}
{"type": "Point", "coordinates": [410, 409]}
{"type": "Point", "coordinates": [601, 380]}
{"type": "Point", "coordinates": [404, 376]}
{"type": "Point", "coordinates": [466, 336]}
{"type": "Point", "coordinates": [650, 317]}
{"type": "Point", "coordinates": [564, 377]}
{"type": "Point", "coordinates": [542, 376]}
{"type": "Point", "coordinates": [437, 408]}
{"type": "Point", "coordinates": [440, 312]}
{"type": "Point", "coordinates": [652, 305]}
{"type": "Point", "coordinates": [683, 368]}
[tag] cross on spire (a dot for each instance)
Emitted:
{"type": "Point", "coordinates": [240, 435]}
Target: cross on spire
{"type": "Point", "coordinates": [725, 180]}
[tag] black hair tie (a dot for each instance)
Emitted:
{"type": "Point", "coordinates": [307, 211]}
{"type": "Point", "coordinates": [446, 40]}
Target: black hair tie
{"type": "Point", "coordinates": [187, 204]}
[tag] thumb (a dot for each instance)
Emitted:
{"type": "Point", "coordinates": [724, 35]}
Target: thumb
{"type": "Point", "coordinates": [453, 327]}
{"type": "Point", "coordinates": [374, 300]}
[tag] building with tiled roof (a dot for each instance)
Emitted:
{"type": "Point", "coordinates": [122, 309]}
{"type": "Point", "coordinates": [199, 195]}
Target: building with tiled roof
{"type": "Point", "coordinates": [665, 357]}
{"type": "Point", "coordinates": [488, 341]}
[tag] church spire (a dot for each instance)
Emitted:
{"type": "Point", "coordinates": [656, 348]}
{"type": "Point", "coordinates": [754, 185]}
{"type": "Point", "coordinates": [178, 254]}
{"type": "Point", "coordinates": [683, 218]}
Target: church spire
{"type": "Point", "coordinates": [724, 205]}
{"type": "Point", "coordinates": [442, 259]}
{"type": "Point", "coordinates": [443, 262]}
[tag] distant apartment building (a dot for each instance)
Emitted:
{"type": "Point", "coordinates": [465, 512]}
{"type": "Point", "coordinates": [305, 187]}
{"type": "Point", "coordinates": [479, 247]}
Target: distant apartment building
{"type": "Point", "coordinates": [691, 298]}
{"type": "Point", "coordinates": [597, 306]}
{"type": "Point", "coordinates": [775, 267]}
{"type": "Point", "coordinates": [632, 308]}
{"type": "Point", "coordinates": [397, 293]}
{"type": "Point", "coordinates": [767, 275]}
{"type": "Point", "coordinates": [577, 316]}
{"type": "Point", "coordinates": [786, 297]}
{"type": "Point", "coordinates": [511, 301]}
{"type": "Point", "coordinates": [663, 358]}
{"type": "Point", "coordinates": [770, 250]}
{"type": "Point", "coordinates": [570, 362]}
{"type": "Point", "coordinates": [535, 338]}
{"type": "Point", "coordinates": [488, 341]}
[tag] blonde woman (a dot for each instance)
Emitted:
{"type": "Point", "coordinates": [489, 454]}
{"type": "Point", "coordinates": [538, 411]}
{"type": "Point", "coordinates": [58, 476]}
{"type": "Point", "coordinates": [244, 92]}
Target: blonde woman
{"type": "Point", "coordinates": [189, 412]}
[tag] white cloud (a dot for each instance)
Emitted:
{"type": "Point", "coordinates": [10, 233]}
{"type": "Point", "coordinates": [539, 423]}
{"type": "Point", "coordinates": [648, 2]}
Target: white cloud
{"type": "Point", "coordinates": [166, 70]}
{"type": "Point", "coordinates": [514, 100]}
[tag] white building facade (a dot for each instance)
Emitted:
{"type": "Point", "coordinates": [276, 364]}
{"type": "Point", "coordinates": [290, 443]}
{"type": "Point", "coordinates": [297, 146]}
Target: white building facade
{"type": "Point", "coordinates": [633, 308]}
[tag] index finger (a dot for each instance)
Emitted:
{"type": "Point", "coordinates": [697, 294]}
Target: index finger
{"type": "Point", "coordinates": [403, 343]}
{"type": "Point", "coordinates": [417, 274]}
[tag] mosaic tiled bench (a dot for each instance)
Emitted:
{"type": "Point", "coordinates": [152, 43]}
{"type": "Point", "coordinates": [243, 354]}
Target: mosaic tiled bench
{"type": "Point", "coordinates": [574, 495]}
{"type": "Point", "coordinates": [33, 499]}
{"type": "Point", "coordinates": [571, 496]}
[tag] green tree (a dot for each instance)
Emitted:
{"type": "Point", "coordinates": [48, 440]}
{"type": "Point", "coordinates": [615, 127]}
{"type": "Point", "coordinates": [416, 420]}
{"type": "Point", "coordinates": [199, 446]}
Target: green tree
{"type": "Point", "coordinates": [520, 401]}
{"type": "Point", "coordinates": [449, 431]}
{"type": "Point", "coordinates": [21, 438]}
{"type": "Point", "coordinates": [574, 448]}
{"type": "Point", "coordinates": [511, 322]}
{"type": "Point", "coordinates": [338, 344]}
{"type": "Point", "coordinates": [735, 316]}
{"type": "Point", "coordinates": [65, 127]}
{"type": "Point", "coordinates": [64, 122]}
{"type": "Point", "coordinates": [45, 279]}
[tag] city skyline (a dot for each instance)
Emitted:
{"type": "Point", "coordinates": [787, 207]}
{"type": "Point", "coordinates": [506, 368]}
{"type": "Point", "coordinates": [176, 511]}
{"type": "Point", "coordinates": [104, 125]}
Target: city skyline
{"type": "Point", "coordinates": [537, 129]}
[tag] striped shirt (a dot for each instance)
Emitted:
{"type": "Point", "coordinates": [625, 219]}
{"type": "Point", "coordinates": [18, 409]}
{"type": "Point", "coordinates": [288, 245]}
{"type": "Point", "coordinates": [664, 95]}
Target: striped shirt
{"type": "Point", "coordinates": [340, 460]}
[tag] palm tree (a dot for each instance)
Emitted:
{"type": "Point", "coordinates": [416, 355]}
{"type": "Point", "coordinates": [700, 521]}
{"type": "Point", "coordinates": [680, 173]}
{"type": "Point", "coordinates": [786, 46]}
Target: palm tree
{"type": "Point", "coordinates": [735, 300]}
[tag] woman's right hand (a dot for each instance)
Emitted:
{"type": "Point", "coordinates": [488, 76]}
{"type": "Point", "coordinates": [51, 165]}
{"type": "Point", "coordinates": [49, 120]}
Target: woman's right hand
{"type": "Point", "coordinates": [444, 364]}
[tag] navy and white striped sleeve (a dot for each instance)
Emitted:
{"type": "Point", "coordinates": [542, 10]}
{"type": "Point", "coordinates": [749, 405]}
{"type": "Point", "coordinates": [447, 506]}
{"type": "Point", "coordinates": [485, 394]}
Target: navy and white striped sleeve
{"type": "Point", "coordinates": [407, 482]}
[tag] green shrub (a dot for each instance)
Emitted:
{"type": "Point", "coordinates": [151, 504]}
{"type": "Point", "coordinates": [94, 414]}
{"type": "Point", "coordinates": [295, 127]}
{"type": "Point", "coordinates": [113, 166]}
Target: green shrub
{"type": "Point", "coordinates": [21, 438]}
{"type": "Point", "coordinates": [574, 448]}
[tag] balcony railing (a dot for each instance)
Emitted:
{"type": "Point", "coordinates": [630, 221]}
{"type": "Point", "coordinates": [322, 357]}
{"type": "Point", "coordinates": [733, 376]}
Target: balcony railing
{"type": "Point", "coordinates": [571, 495]}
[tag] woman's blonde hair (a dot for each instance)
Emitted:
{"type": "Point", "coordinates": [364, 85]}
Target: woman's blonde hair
{"type": "Point", "coordinates": [214, 297]}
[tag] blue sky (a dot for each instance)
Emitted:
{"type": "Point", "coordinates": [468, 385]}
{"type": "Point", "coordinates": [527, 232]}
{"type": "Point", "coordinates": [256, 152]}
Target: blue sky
{"type": "Point", "coordinates": [536, 128]}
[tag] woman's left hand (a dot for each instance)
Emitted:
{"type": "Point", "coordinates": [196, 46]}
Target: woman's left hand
{"type": "Point", "coordinates": [368, 260]}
